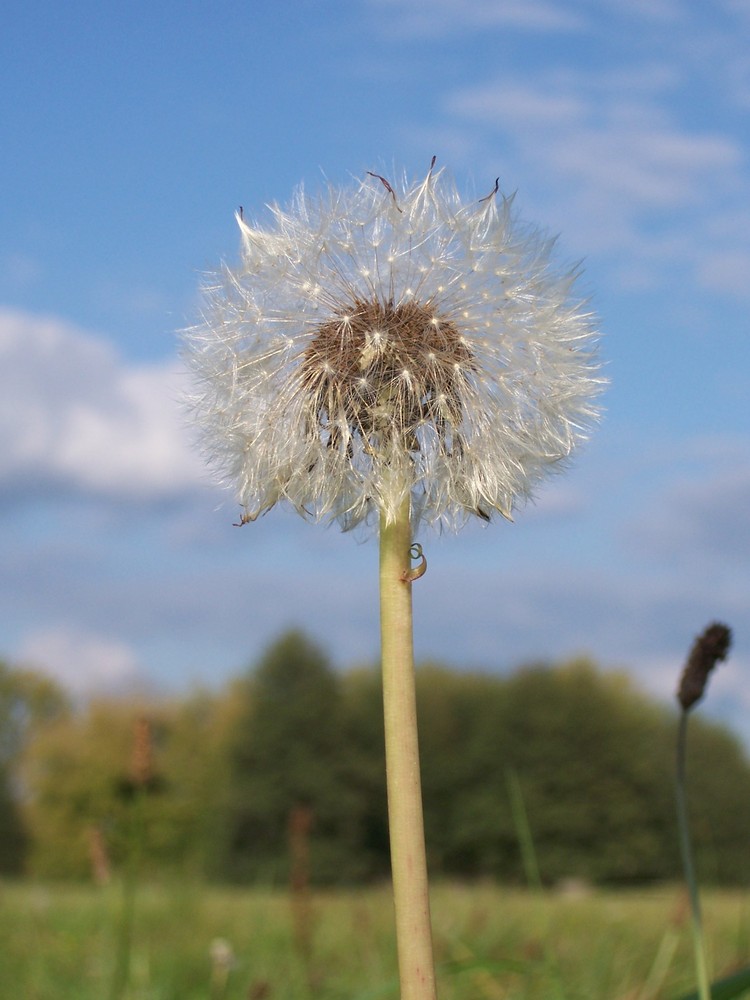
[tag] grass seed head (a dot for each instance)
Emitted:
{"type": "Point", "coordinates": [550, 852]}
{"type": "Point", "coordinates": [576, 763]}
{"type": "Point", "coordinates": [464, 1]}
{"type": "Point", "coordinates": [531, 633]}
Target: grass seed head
{"type": "Point", "coordinates": [711, 647]}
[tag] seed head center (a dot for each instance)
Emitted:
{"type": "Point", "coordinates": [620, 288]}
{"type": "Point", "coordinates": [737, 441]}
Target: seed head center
{"type": "Point", "coordinates": [379, 371]}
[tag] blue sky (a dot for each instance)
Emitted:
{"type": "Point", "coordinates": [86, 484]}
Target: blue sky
{"type": "Point", "coordinates": [131, 134]}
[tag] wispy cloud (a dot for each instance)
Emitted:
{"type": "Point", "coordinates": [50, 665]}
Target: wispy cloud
{"type": "Point", "coordinates": [619, 153]}
{"type": "Point", "coordinates": [615, 168]}
{"type": "Point", "coordinates": [431, 18]}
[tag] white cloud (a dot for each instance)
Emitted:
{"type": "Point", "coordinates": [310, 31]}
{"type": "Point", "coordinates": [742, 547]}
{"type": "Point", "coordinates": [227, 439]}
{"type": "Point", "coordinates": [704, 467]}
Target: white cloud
{"type": "Point", "coordinates": [430, 18]}
{"type": "Point", "coordinates": [75, 417]}
{"type": "Point", "coordinates": [82, 662]}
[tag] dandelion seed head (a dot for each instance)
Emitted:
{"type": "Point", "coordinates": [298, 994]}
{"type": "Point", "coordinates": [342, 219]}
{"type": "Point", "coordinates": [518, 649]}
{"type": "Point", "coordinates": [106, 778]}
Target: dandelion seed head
{"type": "Point", "coordinates": [387, 340]}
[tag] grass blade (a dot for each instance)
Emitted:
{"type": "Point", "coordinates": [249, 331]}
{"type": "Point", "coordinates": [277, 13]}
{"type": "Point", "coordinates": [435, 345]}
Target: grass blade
{"type": "Point", "coordinates": [736, 985]}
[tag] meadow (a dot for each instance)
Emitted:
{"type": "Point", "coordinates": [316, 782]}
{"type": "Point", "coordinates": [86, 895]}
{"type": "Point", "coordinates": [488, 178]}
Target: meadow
{"type": "Point", "coordinates": [59, 942]}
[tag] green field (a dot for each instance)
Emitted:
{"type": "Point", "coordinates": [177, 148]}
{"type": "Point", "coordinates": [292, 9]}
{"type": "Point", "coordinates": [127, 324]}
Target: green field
{"type": "Point", "coordinates": [59, 943]}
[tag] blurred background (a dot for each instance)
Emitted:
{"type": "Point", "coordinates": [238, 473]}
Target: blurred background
{"type": "Point", "coordinates": [130, 136]}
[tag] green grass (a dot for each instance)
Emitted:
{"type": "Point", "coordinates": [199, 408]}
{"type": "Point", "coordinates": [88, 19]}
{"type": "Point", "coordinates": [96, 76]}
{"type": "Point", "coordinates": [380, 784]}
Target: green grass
{"type": "Point", "coordinates": [59, 943]}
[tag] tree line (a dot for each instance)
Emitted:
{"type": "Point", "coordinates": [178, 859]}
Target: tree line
{"type": "Point", "coordinates": [561, 763]}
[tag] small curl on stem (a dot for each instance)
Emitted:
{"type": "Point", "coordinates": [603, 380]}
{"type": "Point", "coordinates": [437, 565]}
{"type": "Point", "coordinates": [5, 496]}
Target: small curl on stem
{"type": "Point", "coordinates": [410, 575]}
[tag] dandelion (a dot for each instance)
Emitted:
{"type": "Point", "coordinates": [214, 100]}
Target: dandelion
{"type": "Point", "coordinates": [390, 355]}
{"type": "Point", "coordinates": [379, 344]}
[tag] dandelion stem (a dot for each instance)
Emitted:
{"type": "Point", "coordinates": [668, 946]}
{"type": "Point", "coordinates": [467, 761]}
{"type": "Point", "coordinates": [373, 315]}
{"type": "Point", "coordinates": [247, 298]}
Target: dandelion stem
{"type": "Point", "coordinates": [408, 860]}
{"type": "Point", "coordinates": [701, 967]}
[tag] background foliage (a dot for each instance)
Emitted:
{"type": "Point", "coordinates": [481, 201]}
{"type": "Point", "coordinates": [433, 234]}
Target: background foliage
{"type": "Point", "coordinates": [591, 755]}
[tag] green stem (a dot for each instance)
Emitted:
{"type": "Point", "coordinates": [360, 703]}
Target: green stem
{"type": "Point", "coordinates": [408, 860]}
{"type": "Point", "coordinates": [130, 880]}
{"type": "Point", "coordinates": [701, 966]}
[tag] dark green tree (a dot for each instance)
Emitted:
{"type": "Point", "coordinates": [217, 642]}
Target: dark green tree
{"type": "Point", "coordinates": [462, 755]}
{"type": "Point", "coordinates": [288, 755]}
{"type": "Point", "coordinates": [718, 792]}
{"type": "Point", "coordinates": [363, 753]}
{"type": "Point", "coordinates": [13, 834]}
{"type": "Point", "coordinates": [594, 762]}
{"type": "Point", "coordinates": [28, 700]}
